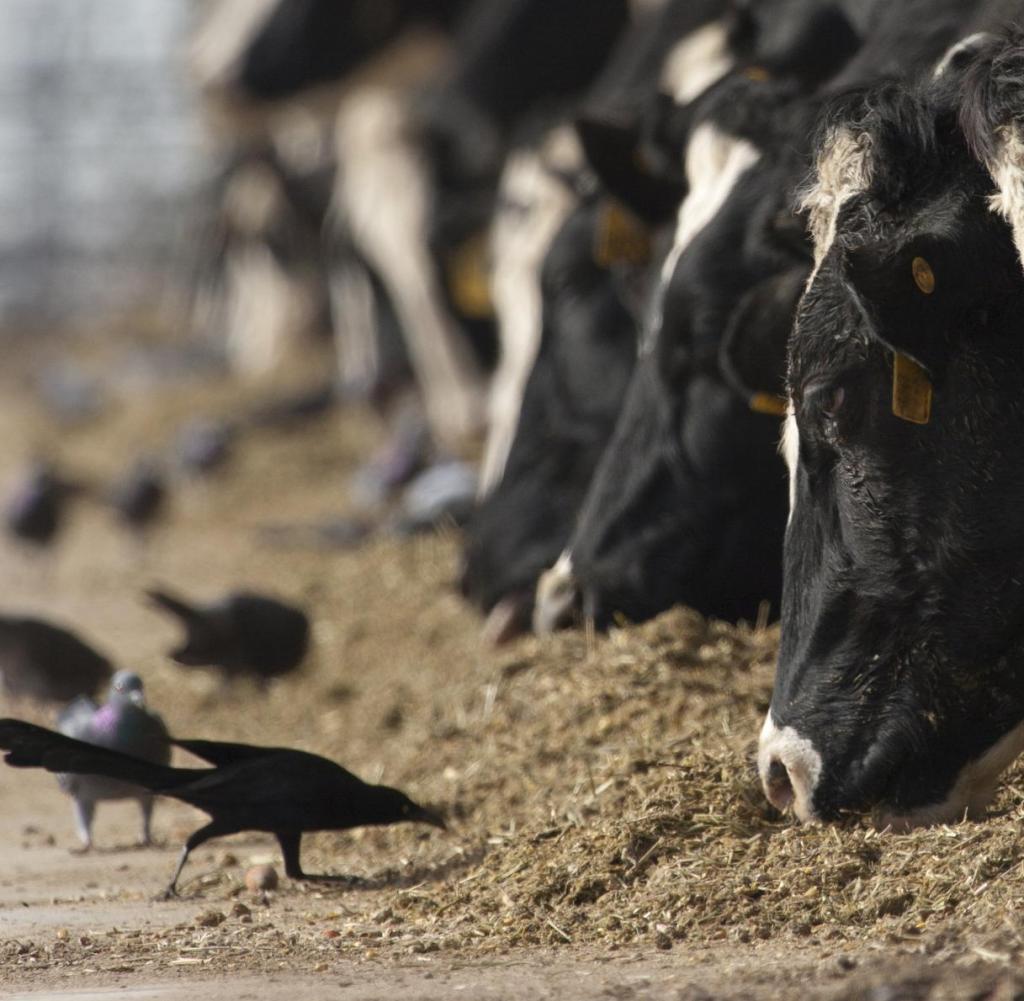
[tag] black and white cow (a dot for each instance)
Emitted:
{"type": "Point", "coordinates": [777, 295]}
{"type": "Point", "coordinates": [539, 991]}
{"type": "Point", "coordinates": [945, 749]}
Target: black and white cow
{"type": "Point", "coordinates": [686, 506]}
{"type": "Point", "coordinates": [253, 52]}
{"type": "Point", "coordinates": [900, 686]}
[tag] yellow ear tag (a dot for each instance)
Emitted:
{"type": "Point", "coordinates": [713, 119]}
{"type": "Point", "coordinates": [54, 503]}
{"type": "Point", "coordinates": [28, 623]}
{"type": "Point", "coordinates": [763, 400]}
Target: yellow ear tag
{"type": "Point", "coordinates": [468, 279]}
{"type": "Point", "coordinates": [620, 237]}
{"type": "Point", "coordinates": [768, 403]}
{"type": "Point", "coordinates": [911, 390]}
{"type": "Point", "coordinates": [757, 73]}
{"type": "Point", "coordinates": [924, 277]}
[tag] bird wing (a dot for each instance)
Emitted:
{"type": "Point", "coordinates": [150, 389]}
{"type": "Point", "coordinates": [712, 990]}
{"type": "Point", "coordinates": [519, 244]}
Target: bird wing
{"type": "Point", "coordinates": [219, 752]}
{"type": "Point", "coordinates": [76, 717]}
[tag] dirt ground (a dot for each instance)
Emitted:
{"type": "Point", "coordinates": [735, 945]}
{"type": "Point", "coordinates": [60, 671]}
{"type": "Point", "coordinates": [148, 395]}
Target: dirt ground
{"type": "Point", "coordinates": [607, 838]}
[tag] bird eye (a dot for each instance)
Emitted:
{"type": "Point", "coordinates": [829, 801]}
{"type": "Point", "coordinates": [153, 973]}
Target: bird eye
{"type": "Point", "coordinates": [924, 277]}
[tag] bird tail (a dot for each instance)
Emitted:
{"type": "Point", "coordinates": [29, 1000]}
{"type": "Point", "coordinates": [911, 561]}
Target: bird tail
{"type": "Point", "coordinates": [195, 649]}
{"type": "Point", "coordinates": [30, 746]}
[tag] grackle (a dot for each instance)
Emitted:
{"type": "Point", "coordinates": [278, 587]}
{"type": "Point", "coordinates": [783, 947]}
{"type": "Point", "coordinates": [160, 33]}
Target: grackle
{"type": "Point", "coordinates": [273, 789]}
{"type": "Point", "coordinates": [43, 661]}
{"type": "Point", "coordinates": [242, 633]}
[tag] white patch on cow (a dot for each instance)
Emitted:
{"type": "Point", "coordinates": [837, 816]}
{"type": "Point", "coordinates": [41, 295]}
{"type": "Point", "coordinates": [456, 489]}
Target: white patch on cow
{"type": "Point", "coordinates": [789, 447]}
{"type": "Point", "coordinates": [843, 170]}
{"type": "Point", "coordinates": [697, 61]}
{"type": "Point", "coordinates": [266, 310]}
{"type": "Point", "coordinates": [715, 161]}
{"type": "Point", "coordinates": [1007, 170]}
{"type": "Point", "coordinates": [533, 204]}
{"type": "Point", "coordinates": [971, 793]}
{"type": "Point", "coordinates": [382, 197]}
{"type": "Point", "coordinates": [968, 44]}
{"type": "Point", "coordinates": [354, 323]}
{"type": "Point", "coordinates": [556, 594]}
{"type": "Point", "coordinates": [801, 761]}
{"type": "Point", "coordinates": [218, 45]}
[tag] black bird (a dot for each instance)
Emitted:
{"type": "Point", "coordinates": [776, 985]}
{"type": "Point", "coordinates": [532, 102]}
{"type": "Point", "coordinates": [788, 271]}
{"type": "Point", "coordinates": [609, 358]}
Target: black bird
{"type": "Point", "coordinates": [273, 789]}
{"type": "Point", "coordinates": [45, 662]}
{"type": "Point", "coordinates": [35, 510]}
{"type": "Point", "coordinates": [242, 633]}
{"type": "Point", "coordinates": [139, 497]}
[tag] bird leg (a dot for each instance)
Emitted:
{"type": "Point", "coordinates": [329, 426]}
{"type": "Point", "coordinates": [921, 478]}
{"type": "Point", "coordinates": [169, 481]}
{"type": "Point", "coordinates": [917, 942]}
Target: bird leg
{"type": "Point", "coordinates": [195, 839]}
{"type": "Point", "coordinates": [84, 810]}
{"type": "Point", "coordinates": [291, 845]}
{"type": "Point", "coordinates": [146, 805]}
{"type": "Point", "coordinates": [290, 842]}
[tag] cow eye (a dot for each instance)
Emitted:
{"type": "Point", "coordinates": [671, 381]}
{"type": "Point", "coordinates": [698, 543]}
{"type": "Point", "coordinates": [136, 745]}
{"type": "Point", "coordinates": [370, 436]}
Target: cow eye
{"type": "Point", "coordinates": [833, 401]}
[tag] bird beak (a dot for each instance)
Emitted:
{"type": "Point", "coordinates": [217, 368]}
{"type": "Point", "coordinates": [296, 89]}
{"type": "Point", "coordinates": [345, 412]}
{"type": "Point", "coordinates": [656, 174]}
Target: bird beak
{"type": "Point", "coordinates": [429, 817]}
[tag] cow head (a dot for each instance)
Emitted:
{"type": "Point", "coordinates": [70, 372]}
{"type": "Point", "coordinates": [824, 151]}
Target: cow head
{"type": "Point", "coordinates": [688, 502]}
{"type": "Point", "coordinates": [569, 406]}
{"type": "Point", "coordinates": [900, 685]}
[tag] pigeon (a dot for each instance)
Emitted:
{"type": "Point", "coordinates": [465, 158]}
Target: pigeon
{"type": "Point", "coordinates": [274, 789]}
{"type": "Point", "coordinates": [43, 661]}
{"type": "Point", "coordinates": [204, 446]}
{"type": "Point", "coordinates": [140, 496]}
{"type": "Point", "coordinates": [242, 633]}
{"type": "Point", "coordinates": [122, 724]}
{"type": "Point", "coordinates": [35, 510]}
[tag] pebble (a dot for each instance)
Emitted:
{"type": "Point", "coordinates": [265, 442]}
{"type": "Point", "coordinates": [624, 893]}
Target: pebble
{"type": "Point", "coordinates": [210, 919]}
{"type": "Point", "coordinates": [239, 910]}
{"type": "Point", "coordinates": [261, 877]}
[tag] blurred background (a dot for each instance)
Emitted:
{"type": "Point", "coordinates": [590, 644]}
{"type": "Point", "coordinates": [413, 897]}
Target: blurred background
{"type": "Point", "coordinates": [103, 162]}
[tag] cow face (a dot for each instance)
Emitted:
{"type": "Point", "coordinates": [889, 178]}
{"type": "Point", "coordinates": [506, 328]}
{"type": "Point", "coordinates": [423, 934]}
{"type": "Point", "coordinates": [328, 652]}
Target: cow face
{"type": "Point", "coordinates": [571, 399]}
{"type": "Point", "coordinates": [688, 502]}
{"type": "Point", "coordinates": [900, 685]}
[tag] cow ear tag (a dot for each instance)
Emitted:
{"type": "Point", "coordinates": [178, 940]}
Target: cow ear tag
{"type": "Point", "coordinates": [924, 277]}
{"type": "Point", "coordinates": [620, 237]}
{"type": "Point", "coordinates": [757, 73]}
{"type": "Point", "coordinates": [468, 280]}
{"type": "Point", "coordinates": [768, 403]}
{"type": "Point", "coordinates": [911, 390]}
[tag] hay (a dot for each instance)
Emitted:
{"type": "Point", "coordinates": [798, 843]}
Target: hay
{"type": "Point", "coordinates": [601, 789]}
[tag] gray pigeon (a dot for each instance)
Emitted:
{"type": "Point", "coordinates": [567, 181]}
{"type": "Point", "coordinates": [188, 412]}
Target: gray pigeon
{"type": "Point", "coordinates": [123, 724]}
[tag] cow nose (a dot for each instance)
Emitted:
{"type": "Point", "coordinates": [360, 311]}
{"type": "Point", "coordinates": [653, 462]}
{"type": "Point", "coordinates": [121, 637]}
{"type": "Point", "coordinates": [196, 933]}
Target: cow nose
{"type": "Point", "coordinates": [777, 786]}
{"type": "Point", "coordinates": [557, 599]}
{"type": "Point", "coordinates": [790, 767]}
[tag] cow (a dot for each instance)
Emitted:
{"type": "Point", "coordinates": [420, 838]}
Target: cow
{"type": "Point", "coordinates": [568, 325]}
{"type": "Point", "coordinates": [900, 683]}
{"type": "Point", "coordinates": [251, 53]}
{"type": "Point", "coordinates": [684, 507]}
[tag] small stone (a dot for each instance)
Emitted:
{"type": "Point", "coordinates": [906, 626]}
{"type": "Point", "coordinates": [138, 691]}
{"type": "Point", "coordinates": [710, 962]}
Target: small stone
{"type": "Point", "coordinates": [320, 967]}
{"type": "Point", "coordinates": [239, 910]}
{"type": "Point", "coordinates": [210, 919]}
{"type": "Point", "coordinates": [227, 860]}
{"type": "Point", "coordinates": [332, 933]}
{"type": "Point", "coordinates": [663, 941]}
{"type": "Point", "coordinates": [63, 934]}
{"type": "Point", "coordinates": [261, 877]}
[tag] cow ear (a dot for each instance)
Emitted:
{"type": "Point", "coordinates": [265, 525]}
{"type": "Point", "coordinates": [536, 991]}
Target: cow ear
{"type": "Point", "coordinates": [630, 155]}
{"type": "Point", "coordinates": [752, 355]}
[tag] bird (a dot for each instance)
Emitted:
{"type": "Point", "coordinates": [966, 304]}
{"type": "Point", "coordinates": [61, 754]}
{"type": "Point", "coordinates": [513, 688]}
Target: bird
{"type": "Point", "coordinates": [139, 497]}
{"type": "Point", "coordinates": [242, 633]}
{"type": "Point", "coordinates": [43, 661]}
{"type": "Point", "coordinates": [279, 790]}
{"type": "Point", "coordinates": [123, 723]}
{"type": "Point", "coordinates": [204, 446]}
{"type": "Point", "coordinates": [34, 512]}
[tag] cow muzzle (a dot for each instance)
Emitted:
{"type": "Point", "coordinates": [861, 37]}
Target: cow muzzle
{"type": "Point", "coordinates": [790, 769]}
